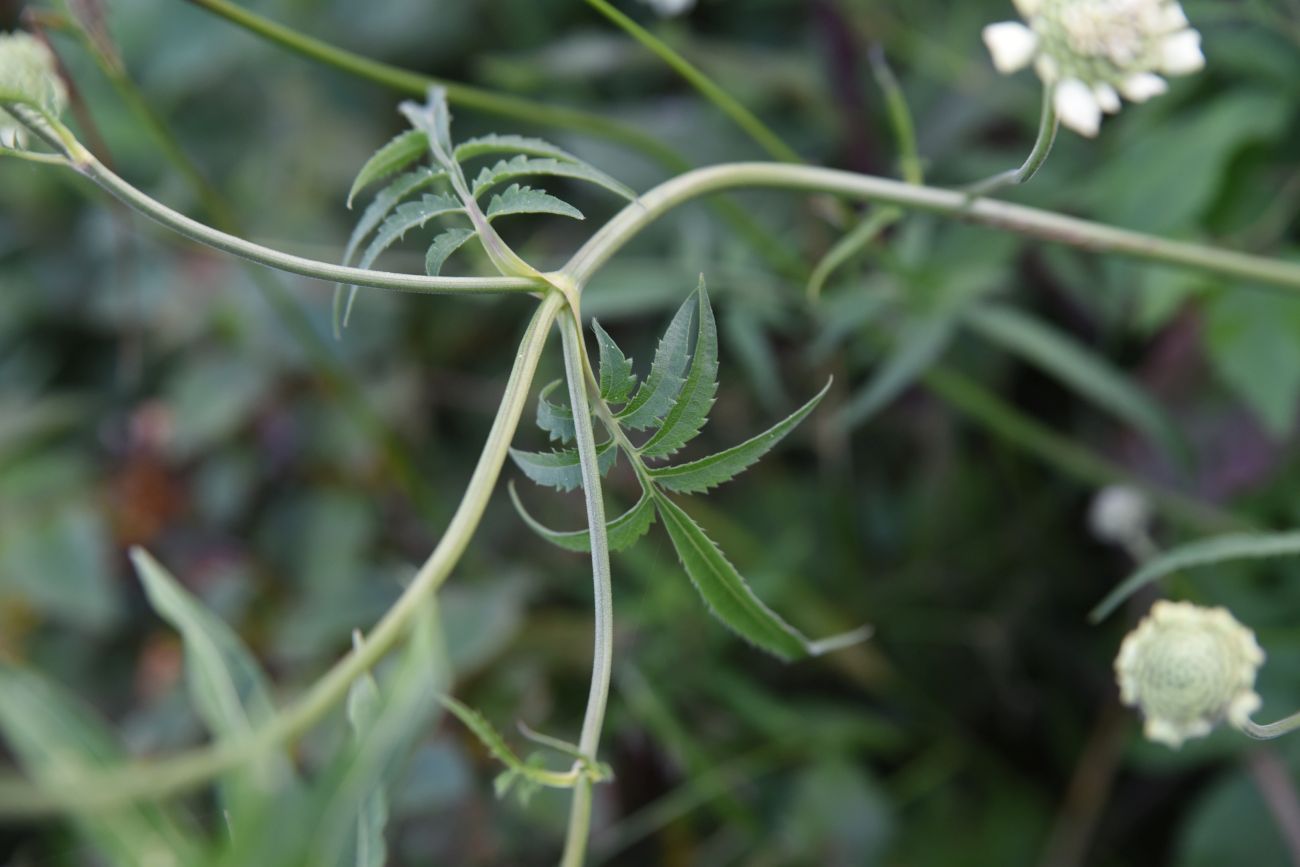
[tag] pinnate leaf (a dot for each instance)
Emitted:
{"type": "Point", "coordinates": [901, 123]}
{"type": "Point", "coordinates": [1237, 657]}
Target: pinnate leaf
{"type": "Point", "coordinates": [560, 469]}
{"type": "Point", "coordinates": [443, 246]}
{"type": "Point", "coordinates": [690, 410]}
{"type": "Point", "coordinates": [399, 153]}
{"type": "Point", "coordinates": [524, 166]}
{"type": "Point", "coordinates": [658, 391]}
{"type": "Point", "coordinates": [511, 144]}
{"type": "Point", "coordinates": [616, 376]}
{"type": "Point", "coordinates": [622, 531]}
{"type": "Point", "coordinates": [526, 200]}
{"type": "Point", "coordinates": [696, 476]}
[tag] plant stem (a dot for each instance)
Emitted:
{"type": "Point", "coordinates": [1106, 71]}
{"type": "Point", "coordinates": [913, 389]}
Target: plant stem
{"type": "Point", "coordinates": [204, 234]}
{"type": "Point", "coordinates": [1269, 731]}
{"type": "Point", "coordinates": [154, 779]}
{"type": "Point", "coordinates": [743, 117]}
{"type": "Point", "coordinates": [1047, 127]}
{"type": "Point", "coordinates": [576, 369]}
{"type": "Point", "coordinates": [1005, 216]}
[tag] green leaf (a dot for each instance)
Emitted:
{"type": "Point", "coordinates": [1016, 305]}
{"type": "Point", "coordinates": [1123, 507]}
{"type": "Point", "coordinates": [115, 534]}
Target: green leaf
{"type": "Point", "coordinates": [616, 376]}
{"type": "Point", "coordinates": [656, 395]}
{"type": "Point", "coordinates": [409, 215]}
{"type": "Point", "coordinates": [346, 794]}
{"type": "Point", "coordinates": [919, 345]}
{"type": "Point", "coordinates": [728, 597]}
{"type": "Point", "coordinates": [690, 410]}
{"type": "Point", "coordinates": [526, 200]}
{"type": "Point", "coordinates": [512, 144]}
{"type": "Point", "coordinates": [58, 741]}
{"type": "Point", "coordinates": [560, 469]}
{"type": "Point", "coordinates": [709, 472]}
{"type": "Point", "coordinates": [384, 202]}
{"type": "Point", "coordinates": [443, 246]}
{"type": "Point", "coordinates": [523, 166]}
{"type": "Point", "coordinates": [555, 419]}
{"type": "Point", "coordinates": [623, 531]}
{"type": "Point", "coordinates": [1253, 340]}
{"type": "Point", "coordinates": [364, 708]}
{"type": "Point", "coordinates": [403, 150]}
{"type": "Point", "coordinates": [226, 684]}
{"type": "Point", "coordinates": [485, 732]}
{"type": "Point", "coordinates": [1205, 552]}
{"type": "Point", "coordinates": [1074, 364]}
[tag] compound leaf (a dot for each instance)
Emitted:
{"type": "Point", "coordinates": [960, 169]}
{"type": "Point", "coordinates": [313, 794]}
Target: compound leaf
{"type": "Point", "coordinates": [696, 476]}
{"type": "Point", "coordinates": [658, 391]}
{"type": "Point", "coordinates": [623, 531]}
{"type": "Point", "coordinates": [690, 410]}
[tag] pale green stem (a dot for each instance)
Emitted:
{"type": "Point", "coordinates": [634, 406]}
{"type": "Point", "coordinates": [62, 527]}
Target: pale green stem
{"type": "Point", "coordinates": [1047, 127]}
{"type": "Point", "coordinates": [1005, 216]}
{"type": "Point", "coordinates": [576, 369]}
{"type": "Point", "coordinates": [846, 248]}
{"type": "Point", "coordinates": [1270, 730]}
{"type": "Point", "coordinates": [154, 779]}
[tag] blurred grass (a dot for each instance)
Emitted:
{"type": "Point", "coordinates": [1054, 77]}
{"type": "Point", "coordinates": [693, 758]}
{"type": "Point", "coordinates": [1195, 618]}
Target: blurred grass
{"type": "Point", "coordinates": [149, 394]}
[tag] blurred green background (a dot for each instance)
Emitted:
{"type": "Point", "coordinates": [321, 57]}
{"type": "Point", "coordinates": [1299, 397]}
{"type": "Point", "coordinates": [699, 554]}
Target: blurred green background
{"type": "Point", "coordinates": [155, 393]}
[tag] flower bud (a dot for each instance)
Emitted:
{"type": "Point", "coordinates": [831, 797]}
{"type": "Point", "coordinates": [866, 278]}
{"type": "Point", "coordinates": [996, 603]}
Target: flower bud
{"type": "Point", "coordinates": [1188, 668]}
{"type": "Point", "coordinates": [28, 73]}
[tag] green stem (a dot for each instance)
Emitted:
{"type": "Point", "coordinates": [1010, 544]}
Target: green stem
{"type": "Point", "coordinates": [744, 118]}
{"type": "Point", "coordinates": [1005, 216]}
{"type": "Point", "coordinates": [576, 368]}
{"type": "Point", "coordinates": [1047, 127]}
{"type": "Point", "coordinates": [1269, 731]}
{"type": "Point", "coordinates": [154, 779]}
{"type": "Point", "coordinates": [204, 234]}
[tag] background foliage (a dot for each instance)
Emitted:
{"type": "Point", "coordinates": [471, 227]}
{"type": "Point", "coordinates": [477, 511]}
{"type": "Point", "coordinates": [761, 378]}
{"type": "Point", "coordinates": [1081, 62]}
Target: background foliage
{"type": "Point", "coordinates": [152, 393]}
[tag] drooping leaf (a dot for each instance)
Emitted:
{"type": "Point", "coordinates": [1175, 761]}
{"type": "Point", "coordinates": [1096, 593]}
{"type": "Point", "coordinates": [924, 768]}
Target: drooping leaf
{"type": "Point", "coordinates": [443, 246]}
{"type": "Point", "coordinates": [623, 531]}
{"type": "Point", "coordinates": [401, 151]}
{"type": "Point", "coordinates": [526, 200]}
{"type": "Point", "coordinates": [524, 166]}
{"type": "Point", "coordinates": [658, 391]}
{"type": "Point", "coordinates": [690, 410]}
{"type": "Point", "coordinates": [696, 476]}
{"type": "Point", "coordinates": [57, 740]}
{"type": "Point", "coordinates": [555, 419]}
{"type": "Point", "coordinates": [919, 345]}
{"type": "Point", "coordinates": [728, 596]}
{"type": "Point", "coordinates": [485, 732]}
{"type": "Point", "coordinates": [1087, 373]}
{"type": "Point", "coordinates": [616, 376]}
{"type": "Point", "coordinates": [510, 144]}
{"type": "Point", "coordinates": [1204, 552]}
{"type": "Point", "coordinates": [560, 469]}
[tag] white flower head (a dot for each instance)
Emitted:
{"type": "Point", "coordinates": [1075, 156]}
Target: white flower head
{"type": "Point", "coordinates": [28, 73]}
{"type": "Point", "coordinates": [1189, 668]}
{"type": "Point", "coordinates": [1119, 514]}
{"type": "Point", "coordinates": [669, 8]}
{"type": "Point", "coordinates": [1092, 52]}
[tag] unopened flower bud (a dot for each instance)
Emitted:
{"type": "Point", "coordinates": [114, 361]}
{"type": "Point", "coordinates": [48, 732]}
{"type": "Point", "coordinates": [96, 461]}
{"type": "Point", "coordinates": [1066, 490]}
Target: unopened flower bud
{"type": "Point", "coordinates": [28, 74]}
